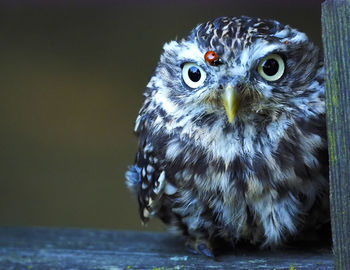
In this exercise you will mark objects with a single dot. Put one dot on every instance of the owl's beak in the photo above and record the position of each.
(230, 101)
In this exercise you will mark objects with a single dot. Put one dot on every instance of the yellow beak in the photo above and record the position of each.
(230, 102)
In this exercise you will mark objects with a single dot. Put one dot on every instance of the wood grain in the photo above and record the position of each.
(336, 42)
(54, 248)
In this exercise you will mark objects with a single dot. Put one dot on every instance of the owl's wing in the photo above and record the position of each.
(146, 178)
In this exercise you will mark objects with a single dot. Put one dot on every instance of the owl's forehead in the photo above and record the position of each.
(238, 33)
(240, 39)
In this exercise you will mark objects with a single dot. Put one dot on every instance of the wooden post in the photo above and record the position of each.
(336, 41)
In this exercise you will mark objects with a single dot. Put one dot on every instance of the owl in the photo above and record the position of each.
(232, 136)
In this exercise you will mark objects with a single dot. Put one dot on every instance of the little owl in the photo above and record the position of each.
(232, 136)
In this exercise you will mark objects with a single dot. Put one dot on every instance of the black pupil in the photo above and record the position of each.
(194, 74)
(270, 67)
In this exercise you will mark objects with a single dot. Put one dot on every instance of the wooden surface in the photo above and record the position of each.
(336, 41)
(49, 248)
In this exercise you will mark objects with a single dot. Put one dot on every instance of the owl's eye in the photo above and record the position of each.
(271, 67)
(193, 75)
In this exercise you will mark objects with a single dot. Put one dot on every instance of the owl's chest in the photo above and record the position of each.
(243, 158)
(214, 150)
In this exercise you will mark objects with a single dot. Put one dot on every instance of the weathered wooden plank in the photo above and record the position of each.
(45, 248)
(336, 41)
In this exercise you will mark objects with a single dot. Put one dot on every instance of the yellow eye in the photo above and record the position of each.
(271, 67)
(193, 75)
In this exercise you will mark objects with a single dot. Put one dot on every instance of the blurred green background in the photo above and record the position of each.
(71, 83)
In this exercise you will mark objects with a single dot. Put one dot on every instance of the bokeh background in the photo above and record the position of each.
(72, 75)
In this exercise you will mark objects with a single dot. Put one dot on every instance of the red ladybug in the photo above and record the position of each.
(212, 58)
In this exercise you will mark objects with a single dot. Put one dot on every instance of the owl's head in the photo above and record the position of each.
(237, 69)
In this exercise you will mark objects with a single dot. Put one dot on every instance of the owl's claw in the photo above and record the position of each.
(203, 248)
(200, 246)
(191, 249)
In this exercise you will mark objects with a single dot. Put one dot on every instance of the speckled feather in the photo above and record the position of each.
(262, 178)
